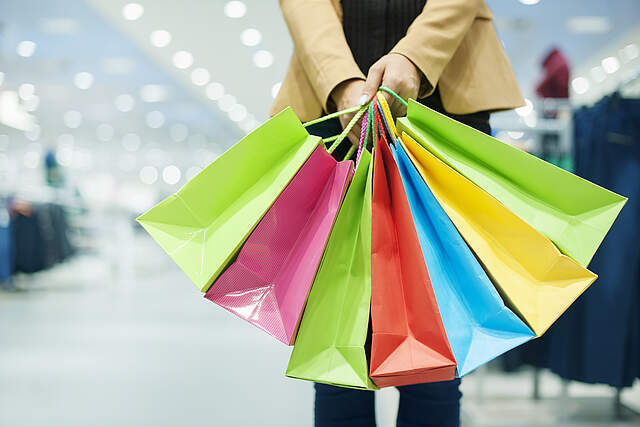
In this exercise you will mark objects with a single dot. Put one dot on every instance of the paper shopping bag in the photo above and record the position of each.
(409, 344)
(203, 225)
(330, 346)
(268, 283)
(574, 213)
(478, 324)
(533, 277)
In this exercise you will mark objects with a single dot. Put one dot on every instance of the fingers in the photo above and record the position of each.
(374, 79)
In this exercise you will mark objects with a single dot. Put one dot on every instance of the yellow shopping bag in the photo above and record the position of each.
(536, 280)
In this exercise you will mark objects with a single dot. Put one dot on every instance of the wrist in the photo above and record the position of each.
(345, 92)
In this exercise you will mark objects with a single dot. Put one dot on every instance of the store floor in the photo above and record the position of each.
(124, 339)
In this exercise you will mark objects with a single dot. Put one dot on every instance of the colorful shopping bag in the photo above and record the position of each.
(574, 213)
(330, 346)
(409, 343)
(269, 282)
(534, 278)
(478, 324)
(203, 225)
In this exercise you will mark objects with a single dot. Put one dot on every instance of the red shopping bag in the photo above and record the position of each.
(409, 343)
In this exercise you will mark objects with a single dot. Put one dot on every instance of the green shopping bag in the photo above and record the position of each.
(574, 213)
(330, 346)
(204, 224)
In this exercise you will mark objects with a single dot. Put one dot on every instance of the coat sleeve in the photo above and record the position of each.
(435, 34)
(320, 45)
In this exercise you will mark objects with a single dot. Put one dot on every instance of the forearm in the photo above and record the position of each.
(434, 36)
(320, 45)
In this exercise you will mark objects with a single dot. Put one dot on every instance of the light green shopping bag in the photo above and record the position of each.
(330, 346)
(204, 224)
(574, 213)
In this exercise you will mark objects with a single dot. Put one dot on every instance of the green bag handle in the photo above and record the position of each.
(359, 110)
(402, 101)
(367, 127)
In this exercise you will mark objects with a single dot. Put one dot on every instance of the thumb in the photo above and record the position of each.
(374, 79)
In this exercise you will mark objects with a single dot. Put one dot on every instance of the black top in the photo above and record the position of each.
(373, 27)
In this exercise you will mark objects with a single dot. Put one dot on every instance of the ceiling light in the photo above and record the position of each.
(227, 102)
(526, 109)
(83, 80)
(125, 102)
(179, 132)
(215, 91)
(235, 9)
(182, 59)
(160, 38)
(529, 2)
(33, 133)
(154, 93)
(628, 53)
(597, 74)
(64, 155)
(171, 174)
(263, 59)
(531, 121)
(154, 119)
(275, 89)
(192, 171)
(250, 37)
(588, 24)
(31, 159)
(238, 113)
(580, 85)
(31, 104)
(72, 119)
(26, 91)
(611, 64)
(104, 132)
(132, 11)
(26, 48)
(515, 134)
(200, 76)
(148, 175)
(131, 142)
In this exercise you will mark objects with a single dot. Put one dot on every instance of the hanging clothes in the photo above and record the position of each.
(39, 236)
(5, 244)
(597, 340)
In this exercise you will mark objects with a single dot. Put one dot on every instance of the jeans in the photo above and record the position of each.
(421, 405)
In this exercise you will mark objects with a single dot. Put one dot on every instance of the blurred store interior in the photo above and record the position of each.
(108, 106)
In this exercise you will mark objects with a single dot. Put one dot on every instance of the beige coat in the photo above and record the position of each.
(452, 42)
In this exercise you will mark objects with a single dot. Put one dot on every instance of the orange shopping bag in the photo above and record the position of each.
(409, 343)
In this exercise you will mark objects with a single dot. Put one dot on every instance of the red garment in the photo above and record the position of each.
(555, 83)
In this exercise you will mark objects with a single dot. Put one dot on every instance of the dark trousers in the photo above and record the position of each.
(421, 405)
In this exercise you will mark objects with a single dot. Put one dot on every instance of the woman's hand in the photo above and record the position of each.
(399, 74)
(347, 95)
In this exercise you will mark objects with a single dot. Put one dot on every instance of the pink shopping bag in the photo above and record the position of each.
(269, 282)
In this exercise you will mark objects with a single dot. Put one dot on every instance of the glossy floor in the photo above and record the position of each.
(123, 339)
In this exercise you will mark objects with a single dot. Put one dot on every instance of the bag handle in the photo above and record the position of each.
(395, 95)
(387, 117)
(359, 110)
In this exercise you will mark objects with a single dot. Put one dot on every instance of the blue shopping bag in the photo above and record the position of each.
(478, 324)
